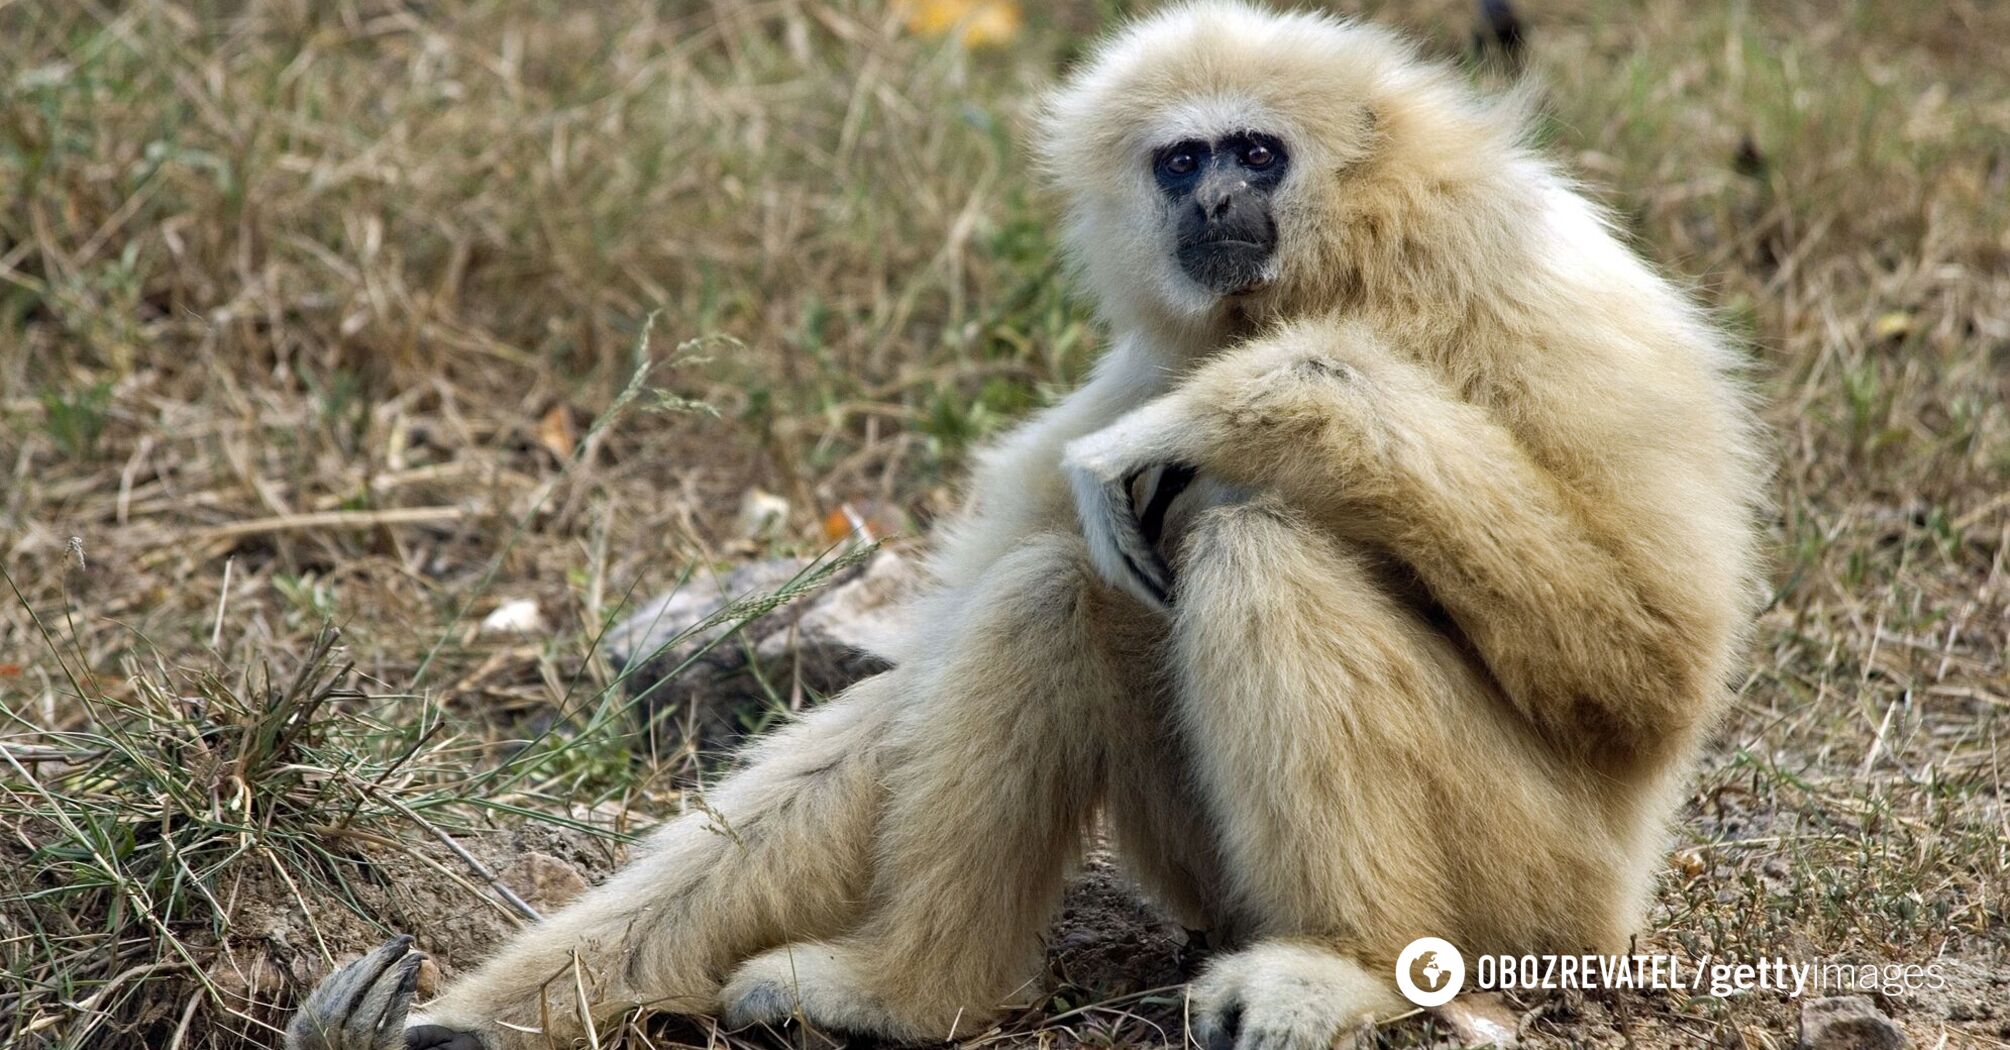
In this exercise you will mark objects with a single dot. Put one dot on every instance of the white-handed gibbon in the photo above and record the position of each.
(1379, 584)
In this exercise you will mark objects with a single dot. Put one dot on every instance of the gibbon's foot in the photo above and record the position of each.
(361, 1006)
(1283, 996)
(820, 983)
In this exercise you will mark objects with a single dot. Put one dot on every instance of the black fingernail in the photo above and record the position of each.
(1172, 481)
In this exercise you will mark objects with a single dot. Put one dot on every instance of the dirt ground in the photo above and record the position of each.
(1115, 969)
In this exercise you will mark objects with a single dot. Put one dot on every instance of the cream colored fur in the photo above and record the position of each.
(1461, 591)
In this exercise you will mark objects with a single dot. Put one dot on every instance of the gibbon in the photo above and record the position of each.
(1379, 584)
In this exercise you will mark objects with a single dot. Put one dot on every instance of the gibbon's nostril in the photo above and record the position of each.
(1219, 207)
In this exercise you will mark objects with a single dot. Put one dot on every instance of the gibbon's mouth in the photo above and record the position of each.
(1230, 266)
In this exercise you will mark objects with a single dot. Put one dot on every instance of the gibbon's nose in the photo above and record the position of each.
(1219, 194)
(1216, 198)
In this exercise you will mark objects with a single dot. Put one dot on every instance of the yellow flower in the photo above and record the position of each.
(975, 23)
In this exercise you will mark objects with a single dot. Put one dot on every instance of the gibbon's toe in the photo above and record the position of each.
(751, 1001)
(440, 1037)
(1260, 1019)
(775, 986)
(363, 1005)
(1282, 996)
(1218, 1030)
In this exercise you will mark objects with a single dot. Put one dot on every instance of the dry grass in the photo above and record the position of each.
(316, 312)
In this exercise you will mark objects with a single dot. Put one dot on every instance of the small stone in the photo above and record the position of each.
(839, 635)
(680, 654)
(1480, 1019)
(1777, 876)
(1847, 1022)
(543, 881)
(519, 616)
(258, 980)
(763, 515)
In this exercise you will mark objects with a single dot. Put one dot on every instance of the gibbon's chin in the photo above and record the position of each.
(1227, 267)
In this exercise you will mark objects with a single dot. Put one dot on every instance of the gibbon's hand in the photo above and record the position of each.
(1124, 483)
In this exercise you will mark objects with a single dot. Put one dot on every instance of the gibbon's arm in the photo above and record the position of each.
(1597, 647)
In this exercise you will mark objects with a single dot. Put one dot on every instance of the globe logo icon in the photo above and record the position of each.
(1430, 971)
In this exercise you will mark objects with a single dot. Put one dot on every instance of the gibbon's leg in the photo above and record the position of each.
(998, 761)
(666, 930)
(780, 851)
(1273, 633)
(1366, 787)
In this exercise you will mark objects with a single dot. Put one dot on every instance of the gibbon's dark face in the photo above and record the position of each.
(1220, 192)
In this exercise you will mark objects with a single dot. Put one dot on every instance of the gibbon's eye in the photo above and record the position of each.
(1258, 156)
(1177, 166)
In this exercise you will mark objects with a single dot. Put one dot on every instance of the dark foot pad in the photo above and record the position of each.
(436, 1037)
(763, 1002)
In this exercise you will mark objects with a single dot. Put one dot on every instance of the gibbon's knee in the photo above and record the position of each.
(1010, 706)
(1302, 695)
(1036, 610)
(1260, 551)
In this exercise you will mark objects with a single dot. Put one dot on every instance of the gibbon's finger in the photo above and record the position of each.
(1143, 528)
(1117, 545)
(378, 1019)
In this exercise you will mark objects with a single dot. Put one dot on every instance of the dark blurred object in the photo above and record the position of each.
(1748, 161)
(1500, 32)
